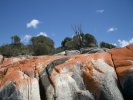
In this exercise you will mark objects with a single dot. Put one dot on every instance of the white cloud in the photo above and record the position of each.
(42, 33)
(100, 11)
(115, 44)
(112, 29)
(26, 38)
(131, 41)
(33, 23)
(125, 42)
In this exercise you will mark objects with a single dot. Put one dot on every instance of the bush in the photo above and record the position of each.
(14, 50)
(39, 45)
(79, 41)
(42, 45)
(106, 45)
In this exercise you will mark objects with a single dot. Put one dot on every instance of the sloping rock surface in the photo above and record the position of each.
(90, 50)
(68, 52)
(100, 76)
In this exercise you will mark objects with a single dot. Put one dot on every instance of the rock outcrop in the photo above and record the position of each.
(90, 50)
(99, 76)
(68, 52)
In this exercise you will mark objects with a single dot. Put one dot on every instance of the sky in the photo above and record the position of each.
(108, 20)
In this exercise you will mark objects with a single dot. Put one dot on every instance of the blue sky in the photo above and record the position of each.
(108, 20)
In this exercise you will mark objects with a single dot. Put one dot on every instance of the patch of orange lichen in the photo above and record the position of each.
(123, 61)
(11, 71)
(121, 56)
(83, 59)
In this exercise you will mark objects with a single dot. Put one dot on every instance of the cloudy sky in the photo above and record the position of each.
(108, 20)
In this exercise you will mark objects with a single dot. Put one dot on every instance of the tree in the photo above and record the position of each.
(63, 43)
(16, 39)
(79, 41)
(83, 40)
(106, 45)
(39, 45)
(42, 45)
(89, 40)
(70, 45)
(78, 35)
(14, 50)
(6, 50)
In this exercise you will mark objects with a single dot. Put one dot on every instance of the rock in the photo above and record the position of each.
(72, 52)
(123, 61)
(68, 52)
(98, 76)
(105, 49)
(92, 50)
(9, 92)
(19, 87)
(60, 54)
(1, 59)
(88, 50)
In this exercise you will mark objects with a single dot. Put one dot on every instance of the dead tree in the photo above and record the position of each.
(78, 31)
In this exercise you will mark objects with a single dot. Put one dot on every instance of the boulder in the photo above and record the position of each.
(123, 62)
(90, 50)
(98, 76)
(60, 54)
(93, 75)
(18, 86)
(72, 52)
(68, 52)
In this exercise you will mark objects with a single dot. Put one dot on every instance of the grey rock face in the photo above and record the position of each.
(26, 90)
(128, 88)
(92, 50)
(72, 52)
(9, 92)
(87, 50)
(29, 91)
(1, 59)
(68, 52)
(71, 82)
(60, 54)
(107, 79)
(46, 88)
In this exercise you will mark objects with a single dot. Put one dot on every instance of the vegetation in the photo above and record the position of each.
(79, 41)
(39, 46)
(42, 45)
(15, 39)
(15, 50)
(106, 45)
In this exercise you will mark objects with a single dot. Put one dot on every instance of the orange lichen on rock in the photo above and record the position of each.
(122, 56)
(123, 61)
(84, 59)
(89, 76)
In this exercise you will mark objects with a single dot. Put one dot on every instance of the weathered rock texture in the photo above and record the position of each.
(90, 50)
(98, 76)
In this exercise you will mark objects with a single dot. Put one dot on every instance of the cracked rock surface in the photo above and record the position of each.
(99, 76)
